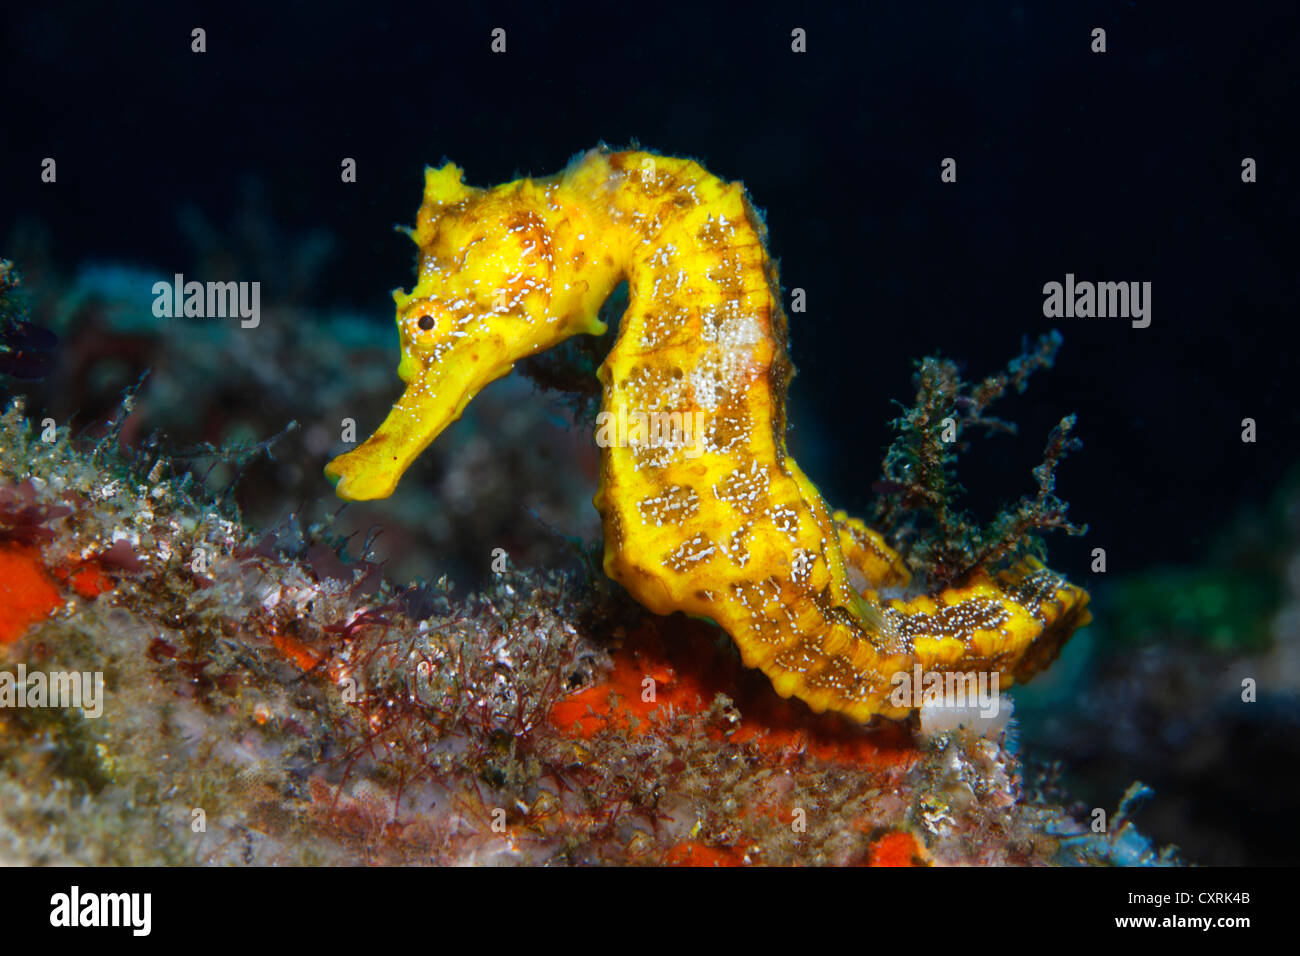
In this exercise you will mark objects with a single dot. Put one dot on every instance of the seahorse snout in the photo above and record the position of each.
(372, 469)
(356, 477)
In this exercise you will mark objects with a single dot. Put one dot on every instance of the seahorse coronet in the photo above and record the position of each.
(703, 509)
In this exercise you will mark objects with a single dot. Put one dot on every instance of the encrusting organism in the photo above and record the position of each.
(704, 511)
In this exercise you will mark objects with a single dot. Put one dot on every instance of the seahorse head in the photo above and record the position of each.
(503, 273)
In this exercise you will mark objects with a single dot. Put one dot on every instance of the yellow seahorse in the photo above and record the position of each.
(708, 515)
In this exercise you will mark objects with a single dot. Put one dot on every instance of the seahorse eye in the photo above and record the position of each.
(426, 322)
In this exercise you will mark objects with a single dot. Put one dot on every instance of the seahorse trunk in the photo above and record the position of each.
(716, 519)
